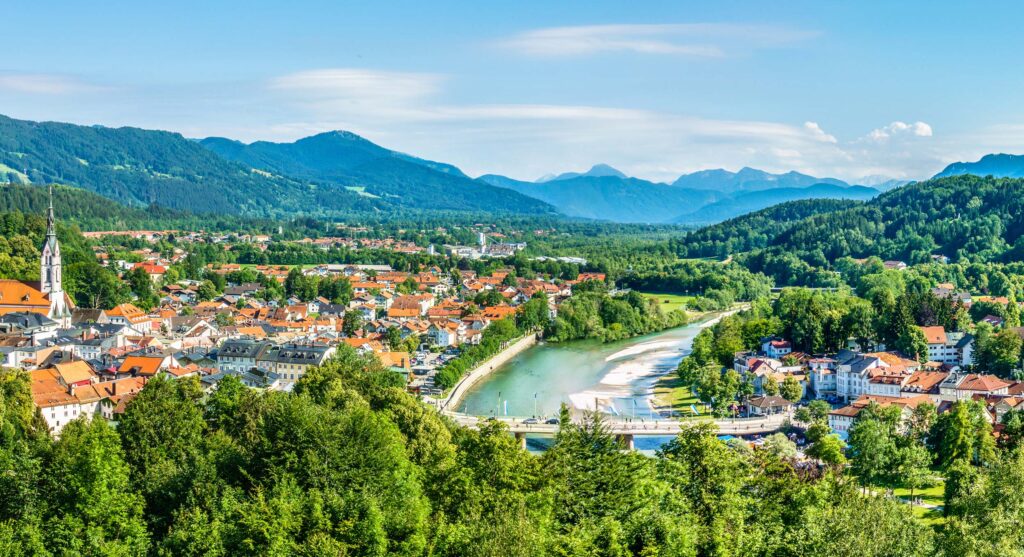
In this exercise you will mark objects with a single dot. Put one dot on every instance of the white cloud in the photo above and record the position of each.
(688, 39)
(897, 128)
(43, 84)
(818, 133)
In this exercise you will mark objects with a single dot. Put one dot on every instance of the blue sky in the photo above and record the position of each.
(846, 89)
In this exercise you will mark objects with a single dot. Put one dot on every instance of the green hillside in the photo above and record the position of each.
(345, 160)
(143, 167)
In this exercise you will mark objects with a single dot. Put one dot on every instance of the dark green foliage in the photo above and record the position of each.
(753, 230)
(596, 314)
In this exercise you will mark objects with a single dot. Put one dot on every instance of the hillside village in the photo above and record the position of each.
(87, 361)
(91, 362)
(857, 377)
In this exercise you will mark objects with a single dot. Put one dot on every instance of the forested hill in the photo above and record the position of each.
(747, 202)
(90, 211)
(144, 167)
(349, 162)
(961, 217)
(753, 230)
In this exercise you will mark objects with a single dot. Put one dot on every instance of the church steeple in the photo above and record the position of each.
(50, 272)
(49, 217)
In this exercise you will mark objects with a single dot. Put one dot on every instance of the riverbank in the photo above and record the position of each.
(451, 402)
(616, 378)
(670, 395)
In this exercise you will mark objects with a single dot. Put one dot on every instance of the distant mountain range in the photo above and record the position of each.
(1000, 166)
(610, 197)
(749, 179)
(341, 173)
(702, 197)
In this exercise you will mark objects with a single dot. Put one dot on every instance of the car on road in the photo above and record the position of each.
(531, 421)
(551, 421)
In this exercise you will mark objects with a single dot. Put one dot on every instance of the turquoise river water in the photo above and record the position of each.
(616, 378)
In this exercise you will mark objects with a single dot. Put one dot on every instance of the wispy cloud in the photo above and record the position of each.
(358, 84)
(44, 84)
(707, 40)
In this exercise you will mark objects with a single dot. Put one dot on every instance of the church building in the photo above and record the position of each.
(46, 297)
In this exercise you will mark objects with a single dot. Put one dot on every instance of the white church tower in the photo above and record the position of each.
(50, 272)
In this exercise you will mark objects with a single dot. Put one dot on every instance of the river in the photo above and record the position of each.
(616, 378)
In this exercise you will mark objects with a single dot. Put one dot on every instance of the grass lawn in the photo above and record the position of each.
(933, 495)
(669, 302)
(670, 392)
(931, 517)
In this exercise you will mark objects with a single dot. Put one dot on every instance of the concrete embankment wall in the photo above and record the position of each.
(485, 369)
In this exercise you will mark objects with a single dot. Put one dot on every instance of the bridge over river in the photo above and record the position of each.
(626, 430)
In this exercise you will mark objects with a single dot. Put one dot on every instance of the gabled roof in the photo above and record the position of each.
(934, 335)
(16, 295)
(141, 365)
(982, 383)
(74, 372)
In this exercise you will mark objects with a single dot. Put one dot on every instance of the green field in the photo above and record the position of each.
(669, 302)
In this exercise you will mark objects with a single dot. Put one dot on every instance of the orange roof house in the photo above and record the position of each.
(934, 335)
(144, 365)
(128, 312)
(399, 313)
(16, 295)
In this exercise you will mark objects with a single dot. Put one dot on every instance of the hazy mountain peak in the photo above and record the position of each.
(749, 179)
(597, 171)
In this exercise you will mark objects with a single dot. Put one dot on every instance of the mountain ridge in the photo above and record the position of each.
(348, 161)
(999, 165)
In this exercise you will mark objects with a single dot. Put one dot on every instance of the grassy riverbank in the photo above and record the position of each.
(671, 394)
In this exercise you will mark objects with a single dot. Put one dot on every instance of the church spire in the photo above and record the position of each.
(50, 271)
(49, 216)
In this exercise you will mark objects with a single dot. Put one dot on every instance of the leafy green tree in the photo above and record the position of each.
(829, 449)
(874, 450)
(394, 338)
(911, 466)
(963, 433)
(206, 291)
(93, 509)
(351, 323)
(912, 343)
(999, 353)
(162, 434)
(791, 389)
(710, 476)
